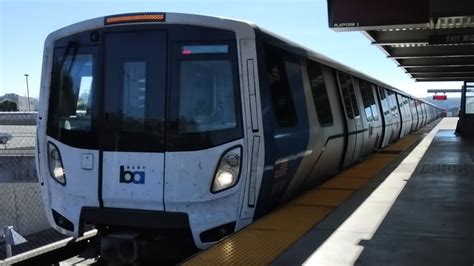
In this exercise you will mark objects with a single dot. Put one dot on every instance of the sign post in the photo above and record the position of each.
(12, 238)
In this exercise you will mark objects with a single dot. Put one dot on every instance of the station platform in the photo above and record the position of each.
(410, 204)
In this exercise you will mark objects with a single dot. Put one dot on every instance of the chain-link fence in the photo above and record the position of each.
(21, 204)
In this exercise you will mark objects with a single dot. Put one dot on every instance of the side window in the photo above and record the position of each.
(367, 98)
(405, 100)
(280, 92)
(413, 109)
(348, 95)
(400, 103)
(392, 102)
(418, 109)
(320, 94)
(383, 100)
(353, 98)
(373, 106)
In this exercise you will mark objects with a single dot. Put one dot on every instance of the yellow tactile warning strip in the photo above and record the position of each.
(263, 241)
(323, 197)
(291, 218)
(403, 143)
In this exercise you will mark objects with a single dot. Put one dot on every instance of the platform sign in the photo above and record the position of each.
(440, 97)
(361, 14)
(464, 38)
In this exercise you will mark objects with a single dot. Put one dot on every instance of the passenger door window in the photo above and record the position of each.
(348, 95)
(134, 95)
(367, 98)
(134, 91)
(279, 87)
(320, 94)
(384, 101)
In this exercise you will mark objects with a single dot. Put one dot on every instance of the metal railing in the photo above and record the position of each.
(21, 205)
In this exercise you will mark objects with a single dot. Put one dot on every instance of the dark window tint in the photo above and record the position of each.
(384, 101)
(134, 91)
(368, 99)
(75, 85)
(206, 96)
(320, 94)
(204, 108)
(391, 100)
(134, 95)
(413, 109)
(373, 106)
(407, 106)
(348, 95)
(71, 105)
(279, 88)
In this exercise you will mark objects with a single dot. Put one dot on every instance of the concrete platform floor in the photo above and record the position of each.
(422, 213)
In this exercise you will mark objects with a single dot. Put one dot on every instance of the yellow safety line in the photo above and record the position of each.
(264, 240)
(403, 143)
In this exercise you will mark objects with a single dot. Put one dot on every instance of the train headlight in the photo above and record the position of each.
(56, 168)
(225, 178)
(227, 173)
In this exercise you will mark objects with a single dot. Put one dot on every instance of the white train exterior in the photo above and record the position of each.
(162, 121)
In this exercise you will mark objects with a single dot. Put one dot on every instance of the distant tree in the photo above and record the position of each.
(8, 106)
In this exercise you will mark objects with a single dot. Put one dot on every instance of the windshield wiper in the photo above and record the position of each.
(71, 49)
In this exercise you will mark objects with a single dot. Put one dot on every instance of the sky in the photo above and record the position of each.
(24, 25)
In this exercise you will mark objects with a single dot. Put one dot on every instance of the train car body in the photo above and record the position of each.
(162, 121)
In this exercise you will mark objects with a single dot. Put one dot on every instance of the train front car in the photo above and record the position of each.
(141, 126)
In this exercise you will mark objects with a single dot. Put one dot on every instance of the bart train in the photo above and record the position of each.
(152, 122)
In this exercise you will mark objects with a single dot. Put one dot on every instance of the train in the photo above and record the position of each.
(162, 122)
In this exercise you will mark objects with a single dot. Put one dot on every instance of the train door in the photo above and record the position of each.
(425, 113)
(420, 114)
(327, 121)
(373, 132)
(365, 116)
(409, 118)
(132, 132)
(395, 113)
(355, 130)
(403, 121)
(387, 118)
(288, 129)
(414, 113)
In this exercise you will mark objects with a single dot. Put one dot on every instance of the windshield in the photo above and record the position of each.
(134, 95)
(71, 101)
(206, 96)
(205, 104)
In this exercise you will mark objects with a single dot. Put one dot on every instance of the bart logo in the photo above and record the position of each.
(135, 177)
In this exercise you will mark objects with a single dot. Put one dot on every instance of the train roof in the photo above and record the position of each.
(191, 19)
(337, 65)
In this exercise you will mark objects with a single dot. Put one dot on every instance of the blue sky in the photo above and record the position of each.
(24, 25)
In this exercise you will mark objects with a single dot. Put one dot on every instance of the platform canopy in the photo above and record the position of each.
(433, 40)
